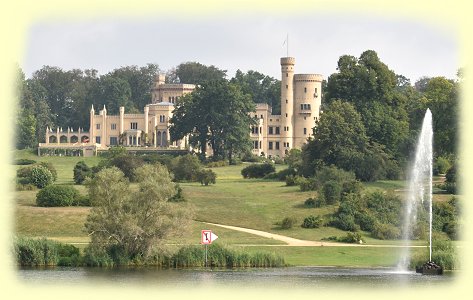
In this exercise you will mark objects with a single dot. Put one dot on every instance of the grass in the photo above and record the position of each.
(251, 203)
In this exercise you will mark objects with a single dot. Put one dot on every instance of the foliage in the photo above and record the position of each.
(288, 222)
(282, 175)
(450, 184)
(331, 192)
(312, 222)
(206, 177)
(443, 254)
(291, 180)
(81, 172)
(179, 196)
(351, 237)
(24, 161)
(57, 195)
(127, 224)
(128, 164)
(186, 168)
(195, 73)
(257, 170)
(51, 169)
(216, 164)
(385, 231)
(40, 176)
(215, 113)
(262, 88)
(43, 252)
(314, 202)
(441, 165)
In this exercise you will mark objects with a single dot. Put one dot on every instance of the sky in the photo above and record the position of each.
(252, 42)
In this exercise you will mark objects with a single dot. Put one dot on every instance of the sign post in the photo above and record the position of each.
(206, 238)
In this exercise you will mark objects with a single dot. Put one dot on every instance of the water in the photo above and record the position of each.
(420, 187)
(291, 277)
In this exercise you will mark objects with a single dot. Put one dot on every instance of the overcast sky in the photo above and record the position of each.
(253, 42)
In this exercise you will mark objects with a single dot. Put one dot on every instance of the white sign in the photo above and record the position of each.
(207, 237)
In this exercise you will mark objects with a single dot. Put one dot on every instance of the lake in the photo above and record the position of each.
(290, 277)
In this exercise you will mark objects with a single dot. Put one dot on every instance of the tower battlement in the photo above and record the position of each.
(308, 77)
(288, 61)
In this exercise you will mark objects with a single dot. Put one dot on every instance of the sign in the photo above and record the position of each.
(207, 237)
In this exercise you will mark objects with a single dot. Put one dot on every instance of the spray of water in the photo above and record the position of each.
(420, 189)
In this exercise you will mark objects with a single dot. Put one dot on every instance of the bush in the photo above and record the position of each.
(57, 195)
(271, 176)
(127, 164)
(185, 168)
(332, 173)
(179, 196)
(282, 175)
(51, 169)
(345, 222)
(25, 187)
(441, 165)
(291, 180)
(306, 184)
(331, 191)
(257, 170)
(351, 237)
(205, 177)
(215, 164)
(81, 172)
(288, 222)
(312, 222)
(385, 232)
(36, 252)
(314, 202)
(250, 157)
(365, 219)
(81, 200)
(24, 162)
(24, 173)
(40, 176)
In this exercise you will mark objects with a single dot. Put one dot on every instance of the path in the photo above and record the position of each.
(301, 243)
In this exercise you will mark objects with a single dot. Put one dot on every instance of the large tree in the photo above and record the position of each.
(262, 88)
(373, 89)
(134, 223)
(216, 113)
(340, 139)
(194, 73)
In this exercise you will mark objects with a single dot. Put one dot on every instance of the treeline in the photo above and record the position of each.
(62, 98)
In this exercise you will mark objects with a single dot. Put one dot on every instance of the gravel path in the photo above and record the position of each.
(300, 243)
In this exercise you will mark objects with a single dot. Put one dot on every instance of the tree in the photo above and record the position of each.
(206, 177)
(81, 172)
(262, 88)
(216, 113)
(115, 92)
(195, 73)
(40, 176)
(130, 225)
(374, 90)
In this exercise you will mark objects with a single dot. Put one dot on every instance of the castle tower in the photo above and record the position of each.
(307, 101)
(122, 114)
(104, 126)
(287, 101)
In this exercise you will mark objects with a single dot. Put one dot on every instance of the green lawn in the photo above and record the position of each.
(251, 203)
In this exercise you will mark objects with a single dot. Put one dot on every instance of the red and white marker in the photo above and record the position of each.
(207, 237)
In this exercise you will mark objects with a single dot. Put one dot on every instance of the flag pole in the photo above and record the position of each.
(287, 38)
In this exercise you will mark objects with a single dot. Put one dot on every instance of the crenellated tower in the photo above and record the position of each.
(287, 103)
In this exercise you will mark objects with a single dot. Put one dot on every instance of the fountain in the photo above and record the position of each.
(420, 190)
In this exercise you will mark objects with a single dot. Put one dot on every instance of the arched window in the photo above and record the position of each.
(74, 139)
(52, 139)
(63, 139)
(159, 138)
(164, 139)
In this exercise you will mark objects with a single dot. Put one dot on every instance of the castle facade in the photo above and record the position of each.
(274, 135)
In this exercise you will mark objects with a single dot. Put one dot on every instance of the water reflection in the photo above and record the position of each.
(301, 277)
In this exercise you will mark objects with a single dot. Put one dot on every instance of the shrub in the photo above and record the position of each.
(40, 176)
(365, 219)
(25, 187)
(351, 237)
(24, 173)
(271, 176)
(291, 180)
(312, 222)
(345, 222)
(314, 202)
(288, 222)
(215, 164)
(179, 196)
(249, 157)
(81, 200)
(205, 177)
(127, 164)
(185, 168)
(282, 175)
(441, 165)
(81, 172)
(57, 195)
(351, 187)
(36, 252)
(306, 184)
(385, 231)
(257, 170)
(331, 191)
(51, 169)
(24, 162)
(332, 173)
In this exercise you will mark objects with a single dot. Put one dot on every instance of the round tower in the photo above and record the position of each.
(287, 103)
(307, 101)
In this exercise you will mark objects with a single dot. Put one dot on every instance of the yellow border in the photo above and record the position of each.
(17, 16)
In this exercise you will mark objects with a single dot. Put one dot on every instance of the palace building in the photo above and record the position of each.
(274, 135)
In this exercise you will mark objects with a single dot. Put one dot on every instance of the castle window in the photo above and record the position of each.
(133, 125)
(97, 126)
(305, 130)
(288, 145)
(286, 115)
(302, 106)
(261, 116)
(113, 140)
(277, 145)
(113, 126)
(255, 145)
(287, 86)
(308, 106)
(169, 98)
(260, 144)
(270, 130)
(305, 118)
(277, 130)
(305, 90)
(270, 120)
(287, 75)
(97, 140)
(270, 146)
(286, 101)
(260, 131)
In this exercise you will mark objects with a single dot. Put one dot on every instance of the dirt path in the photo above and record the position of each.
(300, 243)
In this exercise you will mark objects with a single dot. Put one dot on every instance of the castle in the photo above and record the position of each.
(274, 135)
